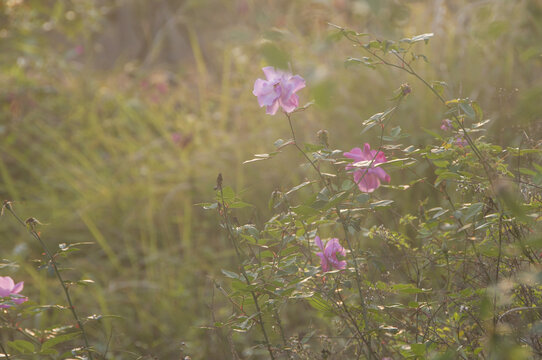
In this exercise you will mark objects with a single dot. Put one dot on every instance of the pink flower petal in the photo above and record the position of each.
(328, 257)
(8, 288)
(272, 74)
(6, 282)
(366, 181)
(354, 154)
(297, 82)
(19, 300)
(318, 242)
(323, 261)
(18, 288)
(382, 175)
(266, 92)
(272, 109)
(289, 104)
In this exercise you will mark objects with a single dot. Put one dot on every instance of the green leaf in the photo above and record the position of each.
(480, 124)
(446, 175)
(440, 213)
(439, 86)
(304, 210)
(227, 194)
(418, 38)
(418, 349)
(468, 110)
(48, 352)
(395, 131)
(347, 185)
(323, 195)
(364, 61)
(85, 282)
(441, 163)
(376, 119)
(239, 205)
(300, 186)
(260, 157)
(478, 111)
(301, 295)
(22, 346)
(526, 171)
(410, 149)
(231, 274)
(240, 286)
(279, 144)
(209, 206)
(396, 163)
(319, 303)
(362, 198)
(308, 336)
(381, 203)
(472, 211)
(245, 325)
(408, 289)
(59, 339)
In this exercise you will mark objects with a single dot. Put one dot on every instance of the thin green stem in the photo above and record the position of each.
(4, 351)
(243, 272)
(302, 152)
(497, 271)
(8, 207)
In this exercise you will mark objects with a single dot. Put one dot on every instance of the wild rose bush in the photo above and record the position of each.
(459, 278)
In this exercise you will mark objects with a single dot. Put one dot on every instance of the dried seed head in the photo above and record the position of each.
(219, 182)
(32, 222)
(5, 205)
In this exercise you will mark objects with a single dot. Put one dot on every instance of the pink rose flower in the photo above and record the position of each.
(278, 90)
(368, 179)
(328, 255)
(9, 288)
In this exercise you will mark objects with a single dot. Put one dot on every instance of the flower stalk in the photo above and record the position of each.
(233, 239)
(30, 225)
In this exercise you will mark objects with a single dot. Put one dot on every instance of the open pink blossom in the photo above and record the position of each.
(446, 125)
(9, 288)
(328, 255)
(278, 90)
(368, 179)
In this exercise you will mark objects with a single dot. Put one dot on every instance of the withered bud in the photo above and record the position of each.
(218, 182)
(31, 222)
(323, 137)
(6, 205)
(405, 89)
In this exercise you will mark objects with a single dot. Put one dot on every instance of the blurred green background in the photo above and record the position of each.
(117, 116)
